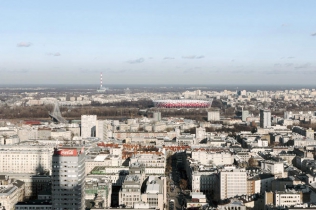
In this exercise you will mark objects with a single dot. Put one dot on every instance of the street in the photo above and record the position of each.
(173, 190)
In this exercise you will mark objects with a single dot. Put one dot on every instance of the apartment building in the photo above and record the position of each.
(206, 157)
(232, 183)
(88, 126)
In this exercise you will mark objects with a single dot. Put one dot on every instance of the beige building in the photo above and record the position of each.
(218, 158)
(283, 198)
(273, 167)
(155, 194)
(149, 160)
(9, 196)
(61, 134)
(44, 133)
(130, 192)
(17, 160)
(103, 160)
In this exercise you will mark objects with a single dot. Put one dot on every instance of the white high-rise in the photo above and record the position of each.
(244, 115)
(103, 129)
(157, 116)
(232, 183)
(265, 118)
(88, 126)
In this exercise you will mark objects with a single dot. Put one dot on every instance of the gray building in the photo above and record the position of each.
(265, 118)
(68, 179)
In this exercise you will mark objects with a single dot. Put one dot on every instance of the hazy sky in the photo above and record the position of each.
(158, 42)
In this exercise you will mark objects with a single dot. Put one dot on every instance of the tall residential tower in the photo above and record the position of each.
(88, 126)
(265, 118)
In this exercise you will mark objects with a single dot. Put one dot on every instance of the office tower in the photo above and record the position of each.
(244, 115)
(68, 179)
(88, 126)
(213, 115)
(157, 116)
(265, 118)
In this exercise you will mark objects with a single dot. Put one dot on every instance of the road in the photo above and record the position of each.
(174, 192)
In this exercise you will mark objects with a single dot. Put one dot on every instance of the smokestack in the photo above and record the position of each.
(101, 81)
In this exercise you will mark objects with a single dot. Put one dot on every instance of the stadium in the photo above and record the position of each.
(182, 103)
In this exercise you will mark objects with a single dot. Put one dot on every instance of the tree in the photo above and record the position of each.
(254, 130)
(169, 164)
(252, 162)
(183, 184)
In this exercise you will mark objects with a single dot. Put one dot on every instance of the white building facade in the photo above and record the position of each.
(232, 183)
(88, 126)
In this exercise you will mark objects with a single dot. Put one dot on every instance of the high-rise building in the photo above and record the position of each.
(88, 126)
(233, 183)
(200, 134)
(68, 179)
(213, 115)
(288, 115)
(265, 118)
(244, 115)
(100, 129)
(157, 116)
(104, 129)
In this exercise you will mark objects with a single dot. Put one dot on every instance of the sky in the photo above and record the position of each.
(158, 42)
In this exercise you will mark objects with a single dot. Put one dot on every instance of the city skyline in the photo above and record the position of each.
(157, 42)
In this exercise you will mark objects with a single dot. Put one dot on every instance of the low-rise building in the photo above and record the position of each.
(9, 196)
(155, 194)
(130, 192)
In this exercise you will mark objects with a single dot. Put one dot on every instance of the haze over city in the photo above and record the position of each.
(157, 42)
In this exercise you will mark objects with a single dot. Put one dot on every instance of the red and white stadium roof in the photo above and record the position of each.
(182, 103)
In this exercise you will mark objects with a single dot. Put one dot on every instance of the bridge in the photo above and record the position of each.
(56, 114)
